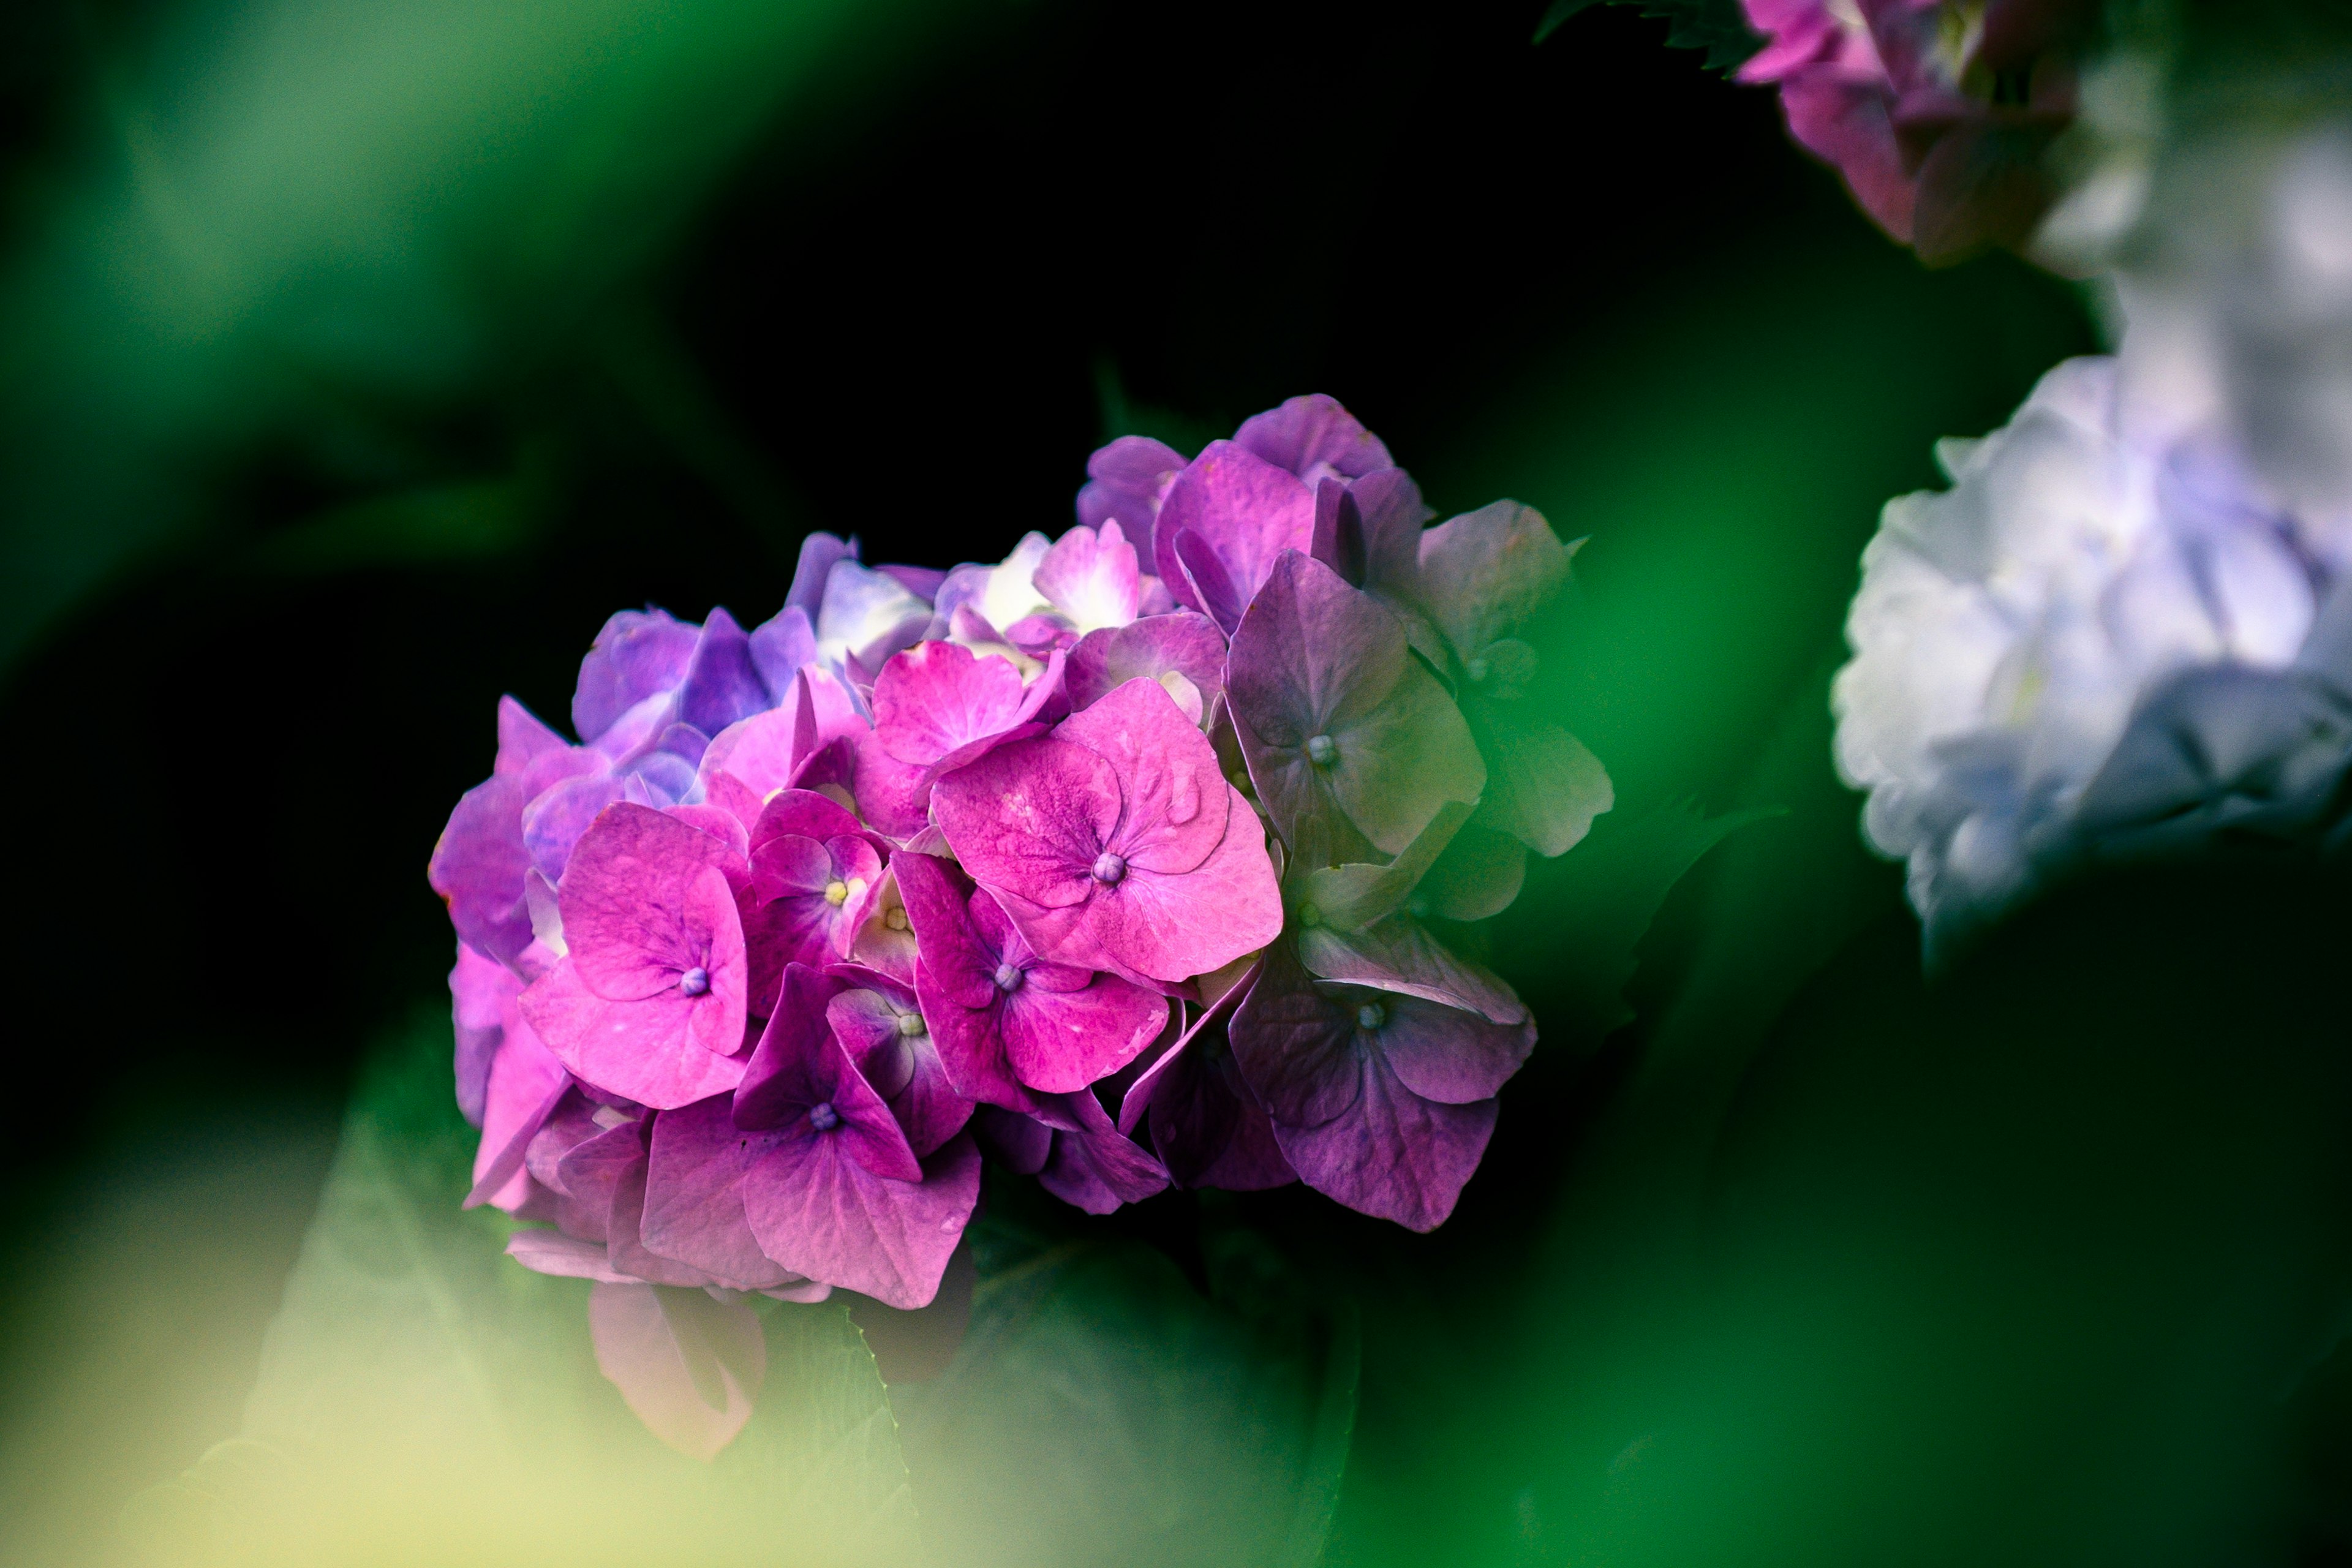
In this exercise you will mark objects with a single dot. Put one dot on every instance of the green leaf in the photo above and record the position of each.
(1606, 894)
(1101, 1410)
(423, 1397)
(1718, 26)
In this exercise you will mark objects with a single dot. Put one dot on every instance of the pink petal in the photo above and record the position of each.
(526, 1082)
(693, 1197)
(1172, 796)
(665, 1050)
(1395, 1155)
(822, 1213)
(1030, 818)
(1172, 928)
(625, 902)
(1092, 577)
(1062, 1041)
(687, 1364)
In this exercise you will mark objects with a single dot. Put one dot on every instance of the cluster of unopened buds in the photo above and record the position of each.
(1119, 860)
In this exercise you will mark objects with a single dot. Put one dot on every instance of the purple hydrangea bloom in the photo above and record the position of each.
(1008, 1025)
(1115, 843)
(1382, 1102)
(1353, 746)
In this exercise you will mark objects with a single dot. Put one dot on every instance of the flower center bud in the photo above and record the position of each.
(1008, 977)
(895, 917)
(823, 1117)
(1322, 751)
(1476, 670)
(1372, 1016)
(910, 1024)
(836, 893)
(1110, 869)
(694, 982)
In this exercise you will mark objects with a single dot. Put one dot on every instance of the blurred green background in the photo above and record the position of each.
(362, 355)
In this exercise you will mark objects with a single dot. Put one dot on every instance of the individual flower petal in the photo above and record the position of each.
(1398, 954)
(526, 1081)
(1010, 592)
(624, 898)
(638, 655)
(1484, 574)
(1184, 652)
(1313, 437)
(687, 1364)
(937, 707)
(866, 616)
(812, 572)
(723, 682)
(479, 988)
(1544, 787)
(1243, 512)
(1349, 741)
(1125, 480)
(478, 867)
(1093, 1165)
(1092, 577)
(693, 1197)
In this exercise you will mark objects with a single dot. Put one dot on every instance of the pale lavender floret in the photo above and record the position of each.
(1382, 1102)
(651, 1001)
(1206, 1123)
(1008, 1025)
(1353, 746)
(1116, 843)
(1184, 652)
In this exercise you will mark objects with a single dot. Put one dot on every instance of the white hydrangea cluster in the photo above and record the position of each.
(2009, 630)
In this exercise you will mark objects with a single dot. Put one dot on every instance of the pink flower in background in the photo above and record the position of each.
(1937, 112)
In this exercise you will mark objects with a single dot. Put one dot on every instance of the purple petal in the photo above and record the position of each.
(477, 868)
(1172, 928)
(782, 1079)
(783, 646)
(956, 984)
(723, 683)
(1449, 1055)
(664, 1050)
(1204, 581)
(1128, 478)
(526, 1082)
(873, 1025)
(1184, 645)
(1342, 729)
(1296, 1045)
(1395, 1155)
(628, 904)
(523, 738)
(567, 1257)
(1031, 818)
(1313, 437)
(1247, 512)
(687, 1364)
(822, 1213)
(819, 553)
(1061, 1041)
(1486, 572)
(1019, 1142)
(638, 655)
(479, 990)
(939, 706)
(1398, 954)
(1477, 876)
(1094, 1166)
(693, 1197)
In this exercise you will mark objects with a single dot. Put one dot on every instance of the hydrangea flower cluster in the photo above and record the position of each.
(1937, 112)
(1114, 859)
(2100, 644)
